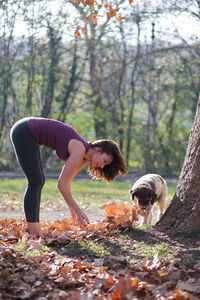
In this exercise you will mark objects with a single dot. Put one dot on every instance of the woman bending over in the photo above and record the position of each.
(104, 157)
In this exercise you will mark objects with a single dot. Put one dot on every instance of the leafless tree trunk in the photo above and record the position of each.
(95, 84)
(31, 62)
(54, 40)
(7, 56)
(68, 88)
(133, 87)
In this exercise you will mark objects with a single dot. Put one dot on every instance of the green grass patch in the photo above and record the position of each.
(85, 249)
(98, 250)
(89, 194)
(149, 251)
(26, 251)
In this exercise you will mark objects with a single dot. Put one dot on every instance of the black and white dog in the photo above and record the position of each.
(147, 190)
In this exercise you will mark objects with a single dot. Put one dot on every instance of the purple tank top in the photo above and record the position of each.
(55, 135)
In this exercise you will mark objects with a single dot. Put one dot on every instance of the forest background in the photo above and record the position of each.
(134, 80)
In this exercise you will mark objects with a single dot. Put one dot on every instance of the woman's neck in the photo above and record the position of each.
(88, 154)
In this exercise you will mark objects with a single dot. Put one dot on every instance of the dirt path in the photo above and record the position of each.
(52, 216)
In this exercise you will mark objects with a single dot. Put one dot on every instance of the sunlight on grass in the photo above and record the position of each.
(22, 248)
(149, 251)
(89, 194)
(95, 249)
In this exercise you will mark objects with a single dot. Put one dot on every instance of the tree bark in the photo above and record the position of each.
(183, 213)
(95, 83)
(68, 88)
(54, 41)
(133, 90)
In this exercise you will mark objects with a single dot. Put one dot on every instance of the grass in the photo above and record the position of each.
(21, 247)
(88, 193)
(87, 248)
(149, 251)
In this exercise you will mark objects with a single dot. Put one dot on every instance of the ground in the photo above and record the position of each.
(108, 260)
(114, 258)
(139, 242)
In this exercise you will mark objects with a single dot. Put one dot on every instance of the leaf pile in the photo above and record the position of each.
(30, 269)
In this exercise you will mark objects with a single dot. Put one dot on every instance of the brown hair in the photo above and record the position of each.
(116, 167)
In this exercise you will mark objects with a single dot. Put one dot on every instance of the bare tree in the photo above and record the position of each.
(7, 56)
(31, 56)
(54, 41)
(134, 77)
(93, 38)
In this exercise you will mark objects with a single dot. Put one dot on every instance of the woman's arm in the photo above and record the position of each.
(74, 163)
(74, 218)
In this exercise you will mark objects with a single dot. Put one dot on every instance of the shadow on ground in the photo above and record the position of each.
(137, 243)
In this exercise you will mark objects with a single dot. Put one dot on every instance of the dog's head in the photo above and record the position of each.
(143, 196)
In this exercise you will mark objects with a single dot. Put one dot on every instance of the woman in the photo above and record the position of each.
(104, 157)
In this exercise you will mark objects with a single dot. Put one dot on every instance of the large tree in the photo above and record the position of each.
(183, 214)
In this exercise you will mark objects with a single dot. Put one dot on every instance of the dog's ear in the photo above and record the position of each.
(153, 197)
(133, 192)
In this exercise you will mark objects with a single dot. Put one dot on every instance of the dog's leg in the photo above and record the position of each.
(145, 218)
(149, 214)
(150, 217)
(161, 204)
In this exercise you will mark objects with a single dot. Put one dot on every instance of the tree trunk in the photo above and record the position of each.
(68, 88)
(95, 83)
(183, 214)
(133, 90)
(54, 41)
(30, 75)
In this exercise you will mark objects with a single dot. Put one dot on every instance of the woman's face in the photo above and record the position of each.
(100, 159)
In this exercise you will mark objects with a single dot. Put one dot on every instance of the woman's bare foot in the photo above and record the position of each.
(33, 228)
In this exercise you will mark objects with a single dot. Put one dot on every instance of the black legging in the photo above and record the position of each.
(28, 155)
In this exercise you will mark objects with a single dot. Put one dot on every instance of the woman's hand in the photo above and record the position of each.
(74, 218)
(79, 218)
(82, 219)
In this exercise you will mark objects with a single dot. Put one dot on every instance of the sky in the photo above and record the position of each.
(187, 26)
